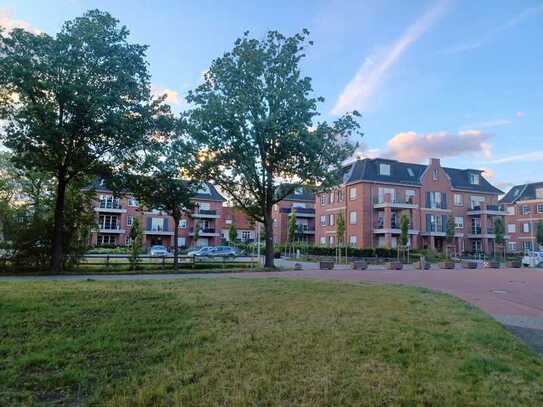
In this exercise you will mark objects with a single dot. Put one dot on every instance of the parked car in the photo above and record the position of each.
(533, 259)
(159, 250)
(223, 251)
(202, 251)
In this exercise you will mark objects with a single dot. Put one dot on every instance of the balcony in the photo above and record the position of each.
(395, 228)
(110, 228)
(205, 214)
(476, 232)
(495, 210)
(300, 212)
(305, 229)
(109, 206)
(206, 232)
(379, 203)
(158, 231)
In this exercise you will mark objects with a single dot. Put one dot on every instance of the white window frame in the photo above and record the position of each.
(133, 202)
(510, 210)
(539, 208)
(352, 217)
(323, 199)
(323, 240)
(129, 220)
(323, 220)
(525, 228)
(183, 223)
(458, 200)
(459, 222)
(410, 193)
(352, 240)
(352, 193)
(384, 169)
(332, 220)
(511, 228)
(435, 174)
(474, 179)
(525, 210)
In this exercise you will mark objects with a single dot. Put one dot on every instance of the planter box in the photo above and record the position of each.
(393, 265)
(448, 265)
(360, 265)
(470, 265)
(418, 266)
(492, 264)
(515, 264)
(298, 266)
(326, 265)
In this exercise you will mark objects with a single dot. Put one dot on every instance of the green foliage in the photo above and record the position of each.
(292, 227)
(340, 228)
(404, 230)
(83, 103)
(254, 122)
(451, 227)
(499, 231)
(136, 246)
(232, 234)
(539, 233)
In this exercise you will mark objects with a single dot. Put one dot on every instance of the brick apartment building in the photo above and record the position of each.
(524, 207)
(115, 217)
(246, 232)
(375, 193)
(302, 201)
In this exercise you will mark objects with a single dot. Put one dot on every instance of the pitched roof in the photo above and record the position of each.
(410, 174)
(522, 192)
(300, 194)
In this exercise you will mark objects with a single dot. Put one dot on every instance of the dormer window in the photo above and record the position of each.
(435, 174)
(474, 179)
(204, 189)
(299, 191)
(384, 169)
(539, 193)
(410, 172)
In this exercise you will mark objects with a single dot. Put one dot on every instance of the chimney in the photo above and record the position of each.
(434, 162)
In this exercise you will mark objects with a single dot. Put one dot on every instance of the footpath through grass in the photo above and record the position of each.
(254, 342)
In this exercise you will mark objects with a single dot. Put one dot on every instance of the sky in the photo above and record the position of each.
(459, 80)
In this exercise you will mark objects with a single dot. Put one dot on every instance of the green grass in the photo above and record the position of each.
(254, 342)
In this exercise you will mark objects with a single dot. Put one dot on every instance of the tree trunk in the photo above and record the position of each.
(175, 247)
(56, 260)
(268, 232)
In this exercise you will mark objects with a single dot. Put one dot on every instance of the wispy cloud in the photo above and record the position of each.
(520, 114)
(488, 124)
(413, 147)
(8, 23)
(490, 35)
(357, 93)
(531, 156)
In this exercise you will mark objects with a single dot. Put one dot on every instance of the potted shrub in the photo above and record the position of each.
(492, 264)
(514, 264)
(360, 265)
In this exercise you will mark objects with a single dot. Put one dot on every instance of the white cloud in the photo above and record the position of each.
(172, 97)
(8, 23)
(412, 147)
(531, 156)
(489, 36)
(520, 114)
(358, 92)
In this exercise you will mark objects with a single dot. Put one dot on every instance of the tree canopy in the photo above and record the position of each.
(254, 123)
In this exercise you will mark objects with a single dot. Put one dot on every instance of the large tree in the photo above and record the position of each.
(77, 102)
(254, 120)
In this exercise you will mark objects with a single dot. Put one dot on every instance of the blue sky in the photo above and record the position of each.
(460, 80)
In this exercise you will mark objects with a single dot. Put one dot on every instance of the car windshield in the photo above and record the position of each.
(158, 248)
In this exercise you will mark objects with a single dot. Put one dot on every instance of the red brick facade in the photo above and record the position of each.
(372, 211)
(303, 202)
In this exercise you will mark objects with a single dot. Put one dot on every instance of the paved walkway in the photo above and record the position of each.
(513, 297)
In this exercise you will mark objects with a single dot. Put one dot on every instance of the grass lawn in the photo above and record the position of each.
(254, 342)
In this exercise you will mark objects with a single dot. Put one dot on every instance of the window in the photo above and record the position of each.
(299, 191)
(475, 201)
(352, 193)
(323, 240)
(246, 235)
(435, 174)
(511, 228)
(510, 210)
(539, 193)
(526, 227)
(109, 202)
(436, 200)
(110, 222)
(181, 242)
(105, 240)
(525, 210)
(459, 222)
(435, 223)
(204, 206)
(332, 197)
(528, 246)
(323, 199)
(381, 192)
(511, 247)
(183, 223)
(340, 196)
(474, 179)
(410, 172)
(352, 240)
(539, 208)
(458, 200)
(128, 241)
(298, 205)
(133, 202)
(352, 217)
(129, 220)
(227, 221)
(331, 240)
(384, 169)
(409, 196)
(323, 220)
(332, 219)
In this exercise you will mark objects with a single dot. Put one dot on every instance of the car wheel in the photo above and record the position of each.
(540, 265)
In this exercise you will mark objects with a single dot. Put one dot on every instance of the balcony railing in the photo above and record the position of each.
(304, 228)
(436, 228)
(298, 210)
(157, 229)
(109, 226)
(476, 230)
(380, 224)
(395, 200)
(109, 205)
(206, 230)
(205, 212)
